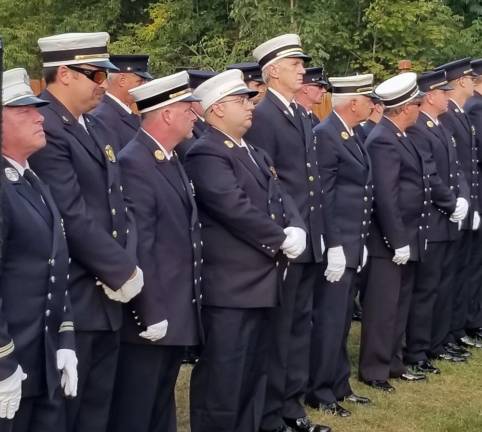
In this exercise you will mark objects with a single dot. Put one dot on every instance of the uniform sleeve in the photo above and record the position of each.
(441, 195)
(386, 171)
(149, 304)
(223, 199)
(328, 166)
(8, 362)
(293, 216)
(475, 116)
(89, 243)
(66, 329)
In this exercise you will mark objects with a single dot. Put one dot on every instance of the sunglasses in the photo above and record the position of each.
(96, 75)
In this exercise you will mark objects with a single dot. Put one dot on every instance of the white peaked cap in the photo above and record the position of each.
(284, 46)
(163, 91)
(16, 90)
(230, 82)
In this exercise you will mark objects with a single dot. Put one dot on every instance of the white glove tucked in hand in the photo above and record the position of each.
(476, 221)
(294, 243)
(126, 292)
(402, 255)
(336, 264)
(11, 393)
(67, 364)
(460, 212)
(365, 256)
(155, 332)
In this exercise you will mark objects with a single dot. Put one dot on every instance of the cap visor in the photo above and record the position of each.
(28, 100)
(245, 91)
(304, 56)
(190, 98)
(146, 75)
(105, 64)
(373, 96)
(445, 87)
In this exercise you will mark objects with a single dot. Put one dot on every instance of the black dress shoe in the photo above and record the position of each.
(424, 367)
(449, 356)
(470, 342)
(412, 376)
(334, 409)
(380, 385)
(457, 349)
(361, 400)
(303, 424)
(458, 353)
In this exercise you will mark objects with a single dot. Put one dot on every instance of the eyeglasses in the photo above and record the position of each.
(96, 75)
(240, 100)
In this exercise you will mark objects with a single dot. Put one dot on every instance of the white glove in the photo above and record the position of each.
(155, 332)
(11, 393)
(126, 292)
(365, 256)
(402, 255)
(460, 212)
(67, 364)
(476, 221)
(294, 243)
(336, 264)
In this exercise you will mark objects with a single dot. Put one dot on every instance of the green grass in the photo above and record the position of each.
(449, 402)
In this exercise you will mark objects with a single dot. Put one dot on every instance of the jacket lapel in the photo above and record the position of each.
(404, 141)
(165, 167)
(72, 126)
(24, 189)
(348, 141)
(132, 120)
(275, 101)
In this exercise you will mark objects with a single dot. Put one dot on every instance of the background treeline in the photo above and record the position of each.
(345, 35)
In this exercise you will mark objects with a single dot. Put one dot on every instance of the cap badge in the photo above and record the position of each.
(12, 174)
(345, 135)
(109, 152)
(430, 124)
(159, 155)
(229, 144)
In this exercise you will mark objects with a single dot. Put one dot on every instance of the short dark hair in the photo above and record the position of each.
(50, 74)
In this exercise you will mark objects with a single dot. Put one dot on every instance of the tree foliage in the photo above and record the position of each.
(345, 36)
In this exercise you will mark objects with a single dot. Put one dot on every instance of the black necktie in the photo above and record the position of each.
(33, 181)
(297, 116)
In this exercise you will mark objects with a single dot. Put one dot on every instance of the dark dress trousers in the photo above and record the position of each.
(121, 124)
(431, 300)
(473, 108)
(84, 176)
(459, 125)
(169, 252)
(243, 212)
(402, 199)
(36, 318)
(288, 140)
(348, 197)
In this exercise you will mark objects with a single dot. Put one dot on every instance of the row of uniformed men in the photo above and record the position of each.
(270, 195)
